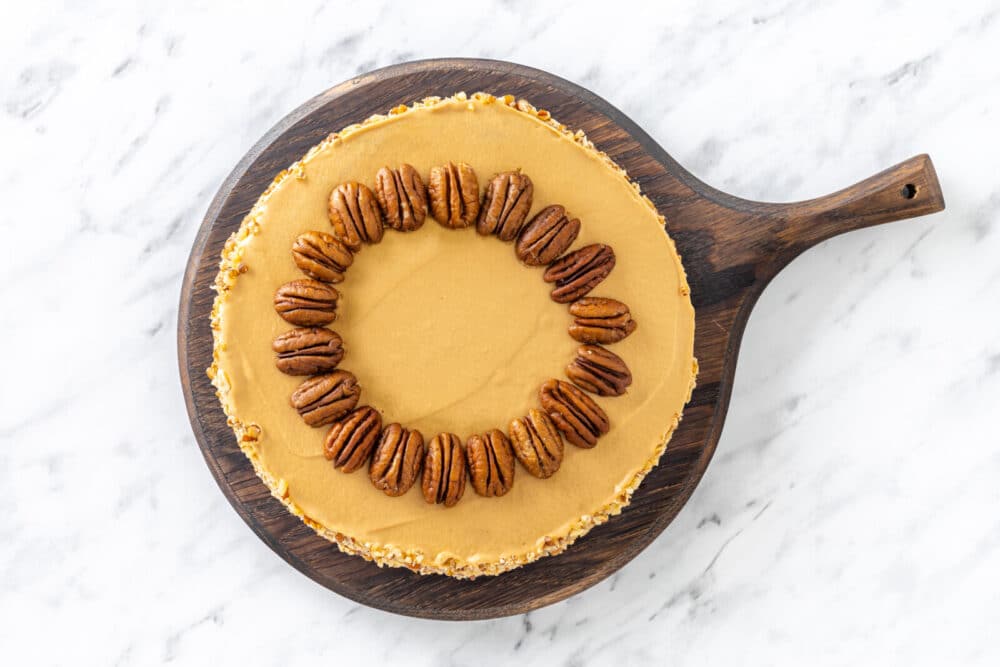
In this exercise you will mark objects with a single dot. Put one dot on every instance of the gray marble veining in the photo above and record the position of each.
(850, 515)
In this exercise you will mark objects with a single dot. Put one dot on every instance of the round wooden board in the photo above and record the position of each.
(730, 248)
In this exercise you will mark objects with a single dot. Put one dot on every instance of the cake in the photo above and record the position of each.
(448, 333)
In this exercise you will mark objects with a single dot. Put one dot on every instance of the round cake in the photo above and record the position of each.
(447, 332)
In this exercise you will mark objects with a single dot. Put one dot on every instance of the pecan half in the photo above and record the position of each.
(505, 205)
(580, 419)
(324, 399)
(308, 351)
(402, 197)
(579, 272)
(354, 215)
(397, 460)
(444, 470)
(600, 320)
(549, 234)
(491, 463)
(599, 371)
(536, 443)
(306, 302)
(351, 440)
(321, 256)
(454, 195)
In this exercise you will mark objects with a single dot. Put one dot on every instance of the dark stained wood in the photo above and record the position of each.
(731, 248)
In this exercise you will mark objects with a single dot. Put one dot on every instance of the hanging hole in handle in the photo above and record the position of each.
(909, 191)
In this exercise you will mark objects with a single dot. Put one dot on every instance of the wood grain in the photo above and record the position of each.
(731, 248)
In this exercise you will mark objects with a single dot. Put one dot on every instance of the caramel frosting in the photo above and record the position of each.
(447, 331)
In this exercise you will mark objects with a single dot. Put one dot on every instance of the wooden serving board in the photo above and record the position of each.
(730, 247)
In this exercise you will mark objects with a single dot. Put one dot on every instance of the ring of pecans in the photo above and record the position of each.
(396, 457)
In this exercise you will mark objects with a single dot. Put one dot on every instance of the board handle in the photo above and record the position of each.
(906, 190)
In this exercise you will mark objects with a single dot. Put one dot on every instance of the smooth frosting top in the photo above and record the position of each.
(447, 331)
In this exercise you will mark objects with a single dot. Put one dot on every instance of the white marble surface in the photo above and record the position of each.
(851, 513)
